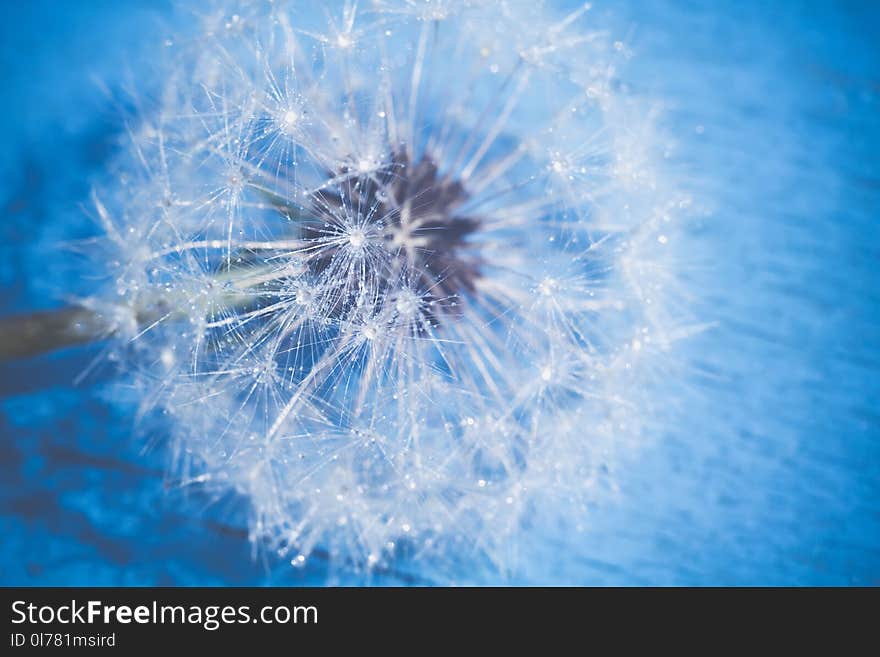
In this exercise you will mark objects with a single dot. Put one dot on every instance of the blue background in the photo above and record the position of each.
(773, 476)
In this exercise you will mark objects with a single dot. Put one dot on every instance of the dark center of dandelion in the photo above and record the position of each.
(405, 218)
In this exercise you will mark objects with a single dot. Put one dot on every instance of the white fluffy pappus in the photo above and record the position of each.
(401, 274)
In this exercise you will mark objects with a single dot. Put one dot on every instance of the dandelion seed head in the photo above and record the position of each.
(411, 244)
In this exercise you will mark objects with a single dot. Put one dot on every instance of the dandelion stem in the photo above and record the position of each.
(31, 334)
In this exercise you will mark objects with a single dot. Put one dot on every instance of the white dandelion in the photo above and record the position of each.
(399, 273)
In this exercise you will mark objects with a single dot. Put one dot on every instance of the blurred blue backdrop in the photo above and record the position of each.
(772, 478)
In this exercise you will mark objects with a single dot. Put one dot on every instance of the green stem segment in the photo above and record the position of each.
(32, 334)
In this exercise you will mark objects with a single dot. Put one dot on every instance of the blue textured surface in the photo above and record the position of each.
(774, 476)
